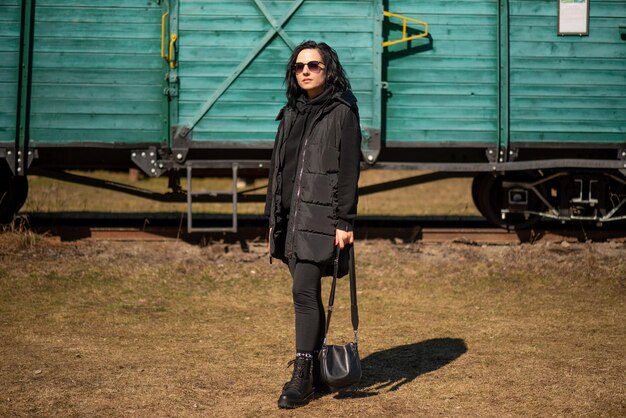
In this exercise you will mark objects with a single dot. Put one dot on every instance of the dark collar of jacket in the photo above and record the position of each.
(345, 97)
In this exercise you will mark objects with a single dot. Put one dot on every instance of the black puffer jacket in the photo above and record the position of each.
(309, 234)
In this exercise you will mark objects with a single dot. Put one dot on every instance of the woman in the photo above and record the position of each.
(312, 196)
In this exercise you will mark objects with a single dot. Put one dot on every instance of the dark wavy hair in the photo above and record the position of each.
(336, 77)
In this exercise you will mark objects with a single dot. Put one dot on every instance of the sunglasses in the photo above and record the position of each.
(314, 66)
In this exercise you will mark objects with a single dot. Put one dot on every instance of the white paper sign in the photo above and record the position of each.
(573, 17)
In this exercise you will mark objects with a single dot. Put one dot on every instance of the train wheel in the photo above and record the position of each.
(489, 198)
(13, 193)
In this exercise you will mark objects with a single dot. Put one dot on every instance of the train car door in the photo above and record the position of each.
(442, 90)
(230, 66)
(97, 74)
(10, 12)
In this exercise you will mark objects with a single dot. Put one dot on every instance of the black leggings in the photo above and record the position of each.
(307, 301)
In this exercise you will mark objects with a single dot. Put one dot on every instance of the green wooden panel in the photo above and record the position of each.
(105, 30)
(443, 7)
(462, 123)
(97, 72)
(347, 40)
(573, 76)
(442, 75)
(433, 114)
(99, 107)
(9, 48)
(603, 104)
(8, 29)
(613, 9)
(331, 24)
(568, 137)
(123, 13)
(575, 92)
(410, 91)
(359, 9)
(552, 63)
(567, 88)
(546, 126)
(98, 76)
(195, 69)
(575, 47)
(569, 114)
(550, 21)
(215, 37)
(94, 45)
(103, 60)
(436, 137)
(443, 89)
(276, 53)
(63, 136)
(42, 92)
(93, 121)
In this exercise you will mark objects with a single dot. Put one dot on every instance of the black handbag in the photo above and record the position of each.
(340, 365)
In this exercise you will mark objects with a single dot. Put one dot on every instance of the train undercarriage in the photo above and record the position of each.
(513, 200)
(518, 200)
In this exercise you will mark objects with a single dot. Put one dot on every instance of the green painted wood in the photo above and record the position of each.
(593, 137)
(442, 75)
(445, 88)
(105, 80)
(566, 115)
(402, 89)
(198, 70)
(84, 137)
(120, 46)
(96, 76)
(439, 137)
(93, 121)
(100, 107)
(591, 127)
(9, 45)
(105, 30)
(359, 9)
(595, 103)
(104, 60)
(573, 76)
(276, 53)
(195, 38)
(574, 92)
(567, 88)
(73, 4)
(569, 62)
(613, 9)
(215, 37)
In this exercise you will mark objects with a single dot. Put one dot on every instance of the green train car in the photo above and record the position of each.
(526, 96)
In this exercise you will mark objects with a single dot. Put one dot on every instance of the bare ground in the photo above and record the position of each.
(172, 329)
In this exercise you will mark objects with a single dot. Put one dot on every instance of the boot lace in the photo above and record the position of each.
(300, 372)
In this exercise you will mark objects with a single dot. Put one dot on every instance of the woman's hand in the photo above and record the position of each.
(343, 238)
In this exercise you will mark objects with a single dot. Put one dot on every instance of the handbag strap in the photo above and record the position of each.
(354, 309)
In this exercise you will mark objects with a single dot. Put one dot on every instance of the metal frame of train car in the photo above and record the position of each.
(454, 99)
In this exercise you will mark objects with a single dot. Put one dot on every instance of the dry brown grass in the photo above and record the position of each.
(446, 197)
(170, 329)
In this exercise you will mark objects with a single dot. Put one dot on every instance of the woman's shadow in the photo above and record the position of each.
(400, 365)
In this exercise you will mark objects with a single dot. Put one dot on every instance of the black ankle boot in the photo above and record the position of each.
(319, 386)
(299, 390)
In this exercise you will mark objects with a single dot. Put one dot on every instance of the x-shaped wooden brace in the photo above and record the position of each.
(277, 27)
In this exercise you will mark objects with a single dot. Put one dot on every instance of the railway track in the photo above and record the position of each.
(172, 226)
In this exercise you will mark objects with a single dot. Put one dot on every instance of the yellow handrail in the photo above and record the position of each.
(163, 35)
(404, 37)
(171, 58)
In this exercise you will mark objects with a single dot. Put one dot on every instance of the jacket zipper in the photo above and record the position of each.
(297, 198)
(295, 211)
